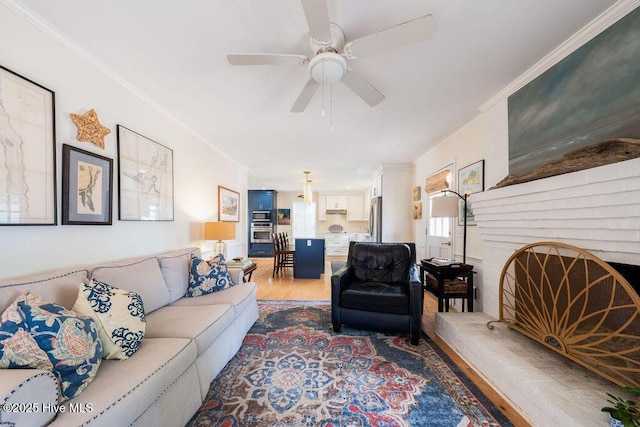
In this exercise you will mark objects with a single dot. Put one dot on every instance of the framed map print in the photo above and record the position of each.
(145, 184)
(27, 152)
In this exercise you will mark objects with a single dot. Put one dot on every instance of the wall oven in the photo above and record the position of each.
(261, 232)
(261, 217)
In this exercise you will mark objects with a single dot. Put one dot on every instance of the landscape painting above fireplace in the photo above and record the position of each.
(589, 97)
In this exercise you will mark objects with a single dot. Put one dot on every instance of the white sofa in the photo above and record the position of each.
(187, 343)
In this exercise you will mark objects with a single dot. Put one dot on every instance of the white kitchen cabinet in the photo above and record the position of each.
(355, 208)
(336, 244)
(337, 201)
(322, 207)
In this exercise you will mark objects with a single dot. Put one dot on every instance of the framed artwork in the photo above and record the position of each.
(284, 216)
(470, 180)
(416, 193)
(87, 187)
(228, 205)
(417, 210)
(27, 152)
(145, 184)
(574, 104)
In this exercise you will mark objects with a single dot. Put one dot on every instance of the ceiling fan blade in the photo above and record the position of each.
(266, 59)
(410, 32)
(317, 14)
(305, 96)
(362, 88)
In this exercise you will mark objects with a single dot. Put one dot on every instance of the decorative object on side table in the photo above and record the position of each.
(228, 205)
(28, 169)
(219, 231)
(470, 180)
(625, 412)
(87, 187)
(145, 189)
(89, 128)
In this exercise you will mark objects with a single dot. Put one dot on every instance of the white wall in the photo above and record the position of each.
(79, 86)
(596, 209)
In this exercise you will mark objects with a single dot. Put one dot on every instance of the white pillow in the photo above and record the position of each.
(119, 315)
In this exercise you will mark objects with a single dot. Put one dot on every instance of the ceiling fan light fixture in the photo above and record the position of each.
(327, 67)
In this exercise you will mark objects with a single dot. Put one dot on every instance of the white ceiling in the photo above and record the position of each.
(174, 53)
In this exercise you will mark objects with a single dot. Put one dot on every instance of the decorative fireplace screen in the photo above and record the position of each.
(575, 304)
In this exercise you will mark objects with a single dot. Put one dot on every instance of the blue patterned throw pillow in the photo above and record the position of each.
(119, 315)
(206, 277)
(42, 328)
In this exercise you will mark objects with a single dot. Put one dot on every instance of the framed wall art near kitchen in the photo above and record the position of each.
(87, 187)
(470, 180)
(228, 205)
(145, 184)
(27, 152)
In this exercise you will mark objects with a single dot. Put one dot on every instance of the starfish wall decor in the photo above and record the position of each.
(89, 128)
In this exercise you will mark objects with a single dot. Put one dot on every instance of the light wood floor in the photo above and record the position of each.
(285, 287)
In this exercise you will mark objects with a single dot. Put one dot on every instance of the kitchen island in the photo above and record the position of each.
(309, 258)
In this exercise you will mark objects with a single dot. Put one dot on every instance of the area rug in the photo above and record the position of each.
(292, 370)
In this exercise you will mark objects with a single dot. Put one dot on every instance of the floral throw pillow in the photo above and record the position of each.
(207, 277)
(119, 315)
(44, 329)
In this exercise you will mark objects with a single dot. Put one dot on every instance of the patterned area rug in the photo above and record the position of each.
(292, 370)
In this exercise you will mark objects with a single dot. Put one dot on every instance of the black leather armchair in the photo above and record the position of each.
(378, 288)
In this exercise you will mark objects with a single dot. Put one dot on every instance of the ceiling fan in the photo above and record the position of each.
(331, 52)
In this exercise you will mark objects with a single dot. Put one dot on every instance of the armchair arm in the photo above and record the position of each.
(28, 393)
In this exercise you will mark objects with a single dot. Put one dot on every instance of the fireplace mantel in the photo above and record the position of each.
(596, 209)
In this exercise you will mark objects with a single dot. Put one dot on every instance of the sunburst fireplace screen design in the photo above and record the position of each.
(575, 304)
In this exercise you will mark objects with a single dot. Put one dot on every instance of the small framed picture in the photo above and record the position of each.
(417, 210)
(87, 187)
(416, 193)
(470, 180)
(228, 205)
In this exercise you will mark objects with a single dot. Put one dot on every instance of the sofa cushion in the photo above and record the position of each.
(119, 315)
(143, 277)
(239, 297)
(207, 277)
(203, 324)
(384, 262)
(126, 388)
(175, 270)
(376, 296)
(60, 287)
(69, 340)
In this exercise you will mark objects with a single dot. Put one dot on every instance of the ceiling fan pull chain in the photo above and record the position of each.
(331, 108)
(322, 87)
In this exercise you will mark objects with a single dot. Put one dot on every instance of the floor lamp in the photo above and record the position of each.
(220, 231)
(447, 207)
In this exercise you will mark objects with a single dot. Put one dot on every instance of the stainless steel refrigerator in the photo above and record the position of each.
(375, 219)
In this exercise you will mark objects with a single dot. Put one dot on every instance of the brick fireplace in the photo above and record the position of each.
(597, 210)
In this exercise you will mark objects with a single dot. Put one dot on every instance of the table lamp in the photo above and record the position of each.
(447, 207)
(219, 231)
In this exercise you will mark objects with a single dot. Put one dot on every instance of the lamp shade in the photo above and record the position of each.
(219, 230)
(444, 207)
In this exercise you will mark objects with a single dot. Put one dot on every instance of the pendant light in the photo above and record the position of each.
(307, 194)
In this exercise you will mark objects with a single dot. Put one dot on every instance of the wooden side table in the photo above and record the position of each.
(247, 270)
(447, 280)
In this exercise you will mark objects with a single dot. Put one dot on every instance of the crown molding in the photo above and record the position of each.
(588, 32)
